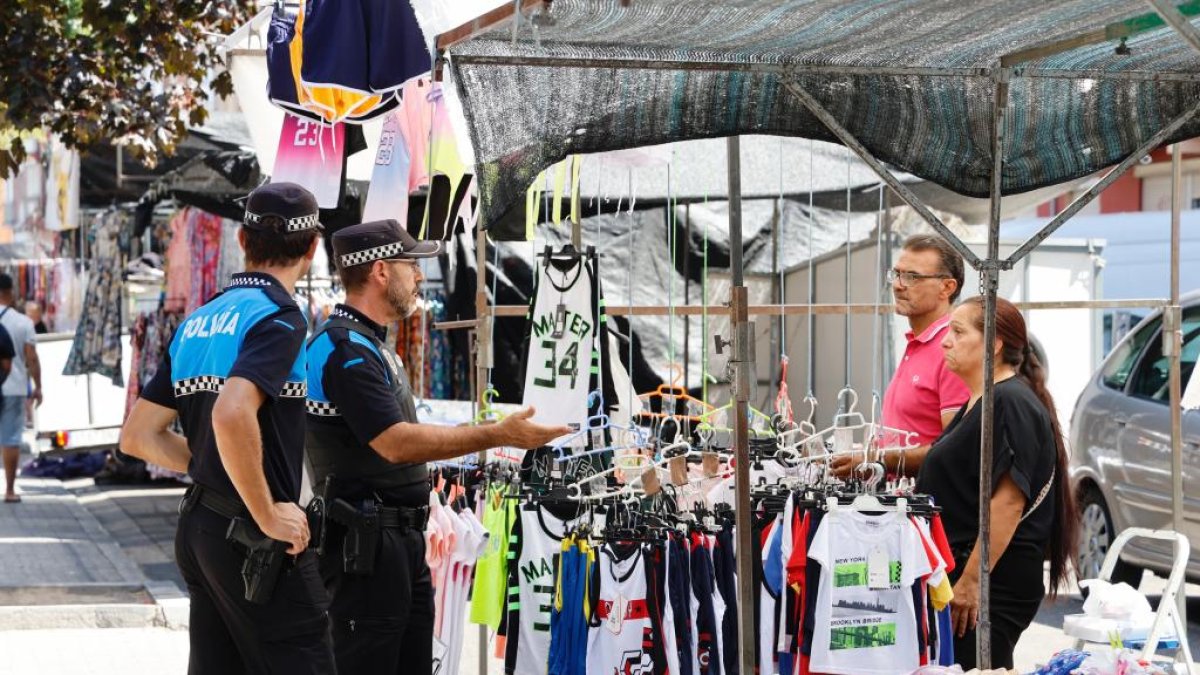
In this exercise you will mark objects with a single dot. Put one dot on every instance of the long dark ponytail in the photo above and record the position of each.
(1017, 351)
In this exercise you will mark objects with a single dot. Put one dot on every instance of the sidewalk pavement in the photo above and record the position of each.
(61, 568)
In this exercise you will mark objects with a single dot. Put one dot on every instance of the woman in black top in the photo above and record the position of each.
(1033, 514)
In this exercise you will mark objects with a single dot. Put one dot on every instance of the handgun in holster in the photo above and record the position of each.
(317, 512)
(264, 561)
(362, 534)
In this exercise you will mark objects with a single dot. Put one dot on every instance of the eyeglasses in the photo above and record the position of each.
(907, 279)
(416, 265)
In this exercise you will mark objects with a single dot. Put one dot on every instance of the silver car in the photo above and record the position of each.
(1121, 451)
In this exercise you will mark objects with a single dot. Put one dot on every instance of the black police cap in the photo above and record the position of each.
(379, 240)
(289, 202)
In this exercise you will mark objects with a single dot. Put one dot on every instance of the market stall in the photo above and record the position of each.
(539, 82)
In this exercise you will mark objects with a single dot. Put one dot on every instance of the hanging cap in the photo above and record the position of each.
(291, 203)
(379, 240)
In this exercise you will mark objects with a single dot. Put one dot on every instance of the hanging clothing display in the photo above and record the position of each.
(149, 339)
(536, 542)
(840, 586)
(337, 61)
(427, 354)
(201, 251)
(627, 636)
(459, 539)
(57, 284)
(97, 344)
(567, 343)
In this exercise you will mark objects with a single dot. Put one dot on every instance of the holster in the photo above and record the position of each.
(361, 543)
(264, 561)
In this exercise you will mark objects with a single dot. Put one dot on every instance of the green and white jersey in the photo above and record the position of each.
(562, 356)
(534, 547)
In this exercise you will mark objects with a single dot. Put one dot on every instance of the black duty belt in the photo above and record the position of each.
(213, 501)
(402, 517)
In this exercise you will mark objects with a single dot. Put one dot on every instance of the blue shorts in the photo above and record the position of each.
(12, 420)
(368, 46)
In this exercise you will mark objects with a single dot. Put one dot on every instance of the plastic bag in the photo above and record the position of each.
(1115, 601)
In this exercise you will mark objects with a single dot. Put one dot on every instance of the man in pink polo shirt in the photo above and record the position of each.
(924, 395)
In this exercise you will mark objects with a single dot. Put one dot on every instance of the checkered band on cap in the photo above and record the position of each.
(309, 222)
(249, 281)
(193, 385)
(322, 409)
(372, 254)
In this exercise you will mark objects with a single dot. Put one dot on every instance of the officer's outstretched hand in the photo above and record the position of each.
(519, 432)
(287, 522)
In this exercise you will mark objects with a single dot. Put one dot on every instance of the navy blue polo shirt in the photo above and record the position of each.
(253, 330)
(352, 376)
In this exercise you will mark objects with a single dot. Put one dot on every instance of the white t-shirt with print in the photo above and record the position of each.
(862, 630)
(20, 329)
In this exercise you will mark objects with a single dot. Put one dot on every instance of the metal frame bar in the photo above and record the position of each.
(1173, 315)
(813, 69)
(1173, 346)
(792, 309)
(1175, 19)
(989, 283)
(741, 393)
(496, 18)
(1109, 178)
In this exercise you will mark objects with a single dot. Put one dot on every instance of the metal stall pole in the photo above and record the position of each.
(739, 316)
(483, 362)
(1172, 346)
(989, 282)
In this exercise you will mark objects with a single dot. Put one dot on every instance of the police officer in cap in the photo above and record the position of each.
(235, 378)
(367, 454)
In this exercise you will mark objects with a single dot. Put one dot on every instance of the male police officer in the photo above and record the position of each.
(367, 455)
(235, 376)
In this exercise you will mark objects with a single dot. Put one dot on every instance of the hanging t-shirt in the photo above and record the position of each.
(487, 594)
(865, 621)
(708, 653)
(387, 196)
(623, 638)
(725, 567)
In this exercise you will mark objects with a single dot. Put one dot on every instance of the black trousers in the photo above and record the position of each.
(1016, 595)
(228, 635)
(382, 622)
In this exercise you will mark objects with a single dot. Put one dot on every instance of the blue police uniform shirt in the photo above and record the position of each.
(353, 377)
(253, 330)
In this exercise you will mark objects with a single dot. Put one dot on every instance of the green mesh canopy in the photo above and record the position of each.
(911, 79)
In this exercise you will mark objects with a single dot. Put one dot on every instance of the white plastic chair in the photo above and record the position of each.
(1168, 608)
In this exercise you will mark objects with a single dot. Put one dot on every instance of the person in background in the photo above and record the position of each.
(33, 310)
(1032, 510)
(24, 382)
(923, 395)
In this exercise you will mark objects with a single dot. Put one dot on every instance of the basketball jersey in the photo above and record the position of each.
(622, 638)
(562, 355)
(387, 196)
(534, 551)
